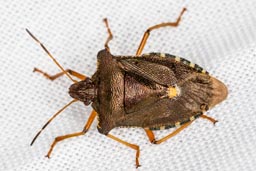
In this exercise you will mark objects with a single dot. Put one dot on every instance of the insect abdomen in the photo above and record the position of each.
(178, 59)
(177, 124)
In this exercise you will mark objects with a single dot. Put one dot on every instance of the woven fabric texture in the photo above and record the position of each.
(218, 35)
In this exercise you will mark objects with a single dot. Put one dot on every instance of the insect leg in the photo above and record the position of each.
(147, 32)
(53, 77)
(133, 146)
(60, 138)
(209, 118)
(152, 139)
(110, 35)
(150, 135)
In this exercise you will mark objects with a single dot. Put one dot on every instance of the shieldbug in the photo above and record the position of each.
(152, 91)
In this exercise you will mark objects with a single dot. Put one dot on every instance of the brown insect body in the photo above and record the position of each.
(133, 91)
(152, 91)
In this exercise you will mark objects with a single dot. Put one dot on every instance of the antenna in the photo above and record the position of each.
(47, 123)
(50, 55)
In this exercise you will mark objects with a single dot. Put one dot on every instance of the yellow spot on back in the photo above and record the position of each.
(172, 92)
(204, 71)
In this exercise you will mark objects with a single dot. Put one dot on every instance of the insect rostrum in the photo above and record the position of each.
(153, 91)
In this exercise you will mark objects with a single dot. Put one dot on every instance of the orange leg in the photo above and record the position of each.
(133, 146)
(147, 33)
(60, 138)
(53, 77)
(152, 139)
(110, 35)
(209, 118)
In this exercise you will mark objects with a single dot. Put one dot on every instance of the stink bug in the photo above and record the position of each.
(152, 91)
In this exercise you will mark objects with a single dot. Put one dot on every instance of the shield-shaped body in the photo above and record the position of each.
(154, 91)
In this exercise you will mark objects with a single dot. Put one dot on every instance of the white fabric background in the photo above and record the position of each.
(218, 35)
